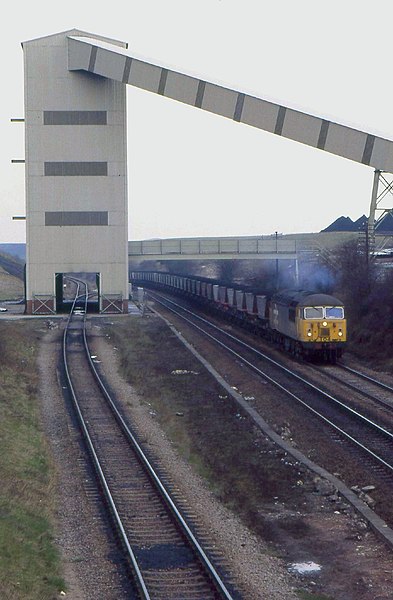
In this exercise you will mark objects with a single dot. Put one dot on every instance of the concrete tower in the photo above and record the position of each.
(76, 177)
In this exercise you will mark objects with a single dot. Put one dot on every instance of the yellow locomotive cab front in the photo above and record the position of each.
(322, 324)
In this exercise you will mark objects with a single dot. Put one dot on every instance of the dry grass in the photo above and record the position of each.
(29, 564)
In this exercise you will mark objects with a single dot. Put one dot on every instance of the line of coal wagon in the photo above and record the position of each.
(303, 323)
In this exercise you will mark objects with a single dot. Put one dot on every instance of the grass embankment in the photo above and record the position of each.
(29, 562)
(206, 426)
(10, 287)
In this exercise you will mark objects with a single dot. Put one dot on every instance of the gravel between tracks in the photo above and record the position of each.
(364, 570)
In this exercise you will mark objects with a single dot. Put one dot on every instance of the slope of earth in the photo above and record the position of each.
(11, 277)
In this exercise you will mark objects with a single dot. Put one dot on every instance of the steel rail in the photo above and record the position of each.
(283, 388)
(159, 485)
(378, 401)
(137, 572)
(380, 384)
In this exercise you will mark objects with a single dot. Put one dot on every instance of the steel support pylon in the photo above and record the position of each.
(381, 188)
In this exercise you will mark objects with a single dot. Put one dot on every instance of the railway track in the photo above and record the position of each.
(165, 558)
(377, 391)
(372, 439)
(365, 394)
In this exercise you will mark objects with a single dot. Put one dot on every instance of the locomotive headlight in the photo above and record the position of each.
(324, 323)
(340, 332)
(309, 333)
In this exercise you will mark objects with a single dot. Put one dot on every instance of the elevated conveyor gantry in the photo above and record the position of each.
(115, 62)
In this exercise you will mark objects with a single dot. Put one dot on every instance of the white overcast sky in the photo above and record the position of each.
(192, 173)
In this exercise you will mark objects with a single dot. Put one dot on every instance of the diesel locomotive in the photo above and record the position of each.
(308, 324)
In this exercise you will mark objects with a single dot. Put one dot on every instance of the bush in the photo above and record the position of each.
(367, 291)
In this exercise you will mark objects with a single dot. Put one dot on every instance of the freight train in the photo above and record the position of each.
(303, 323)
